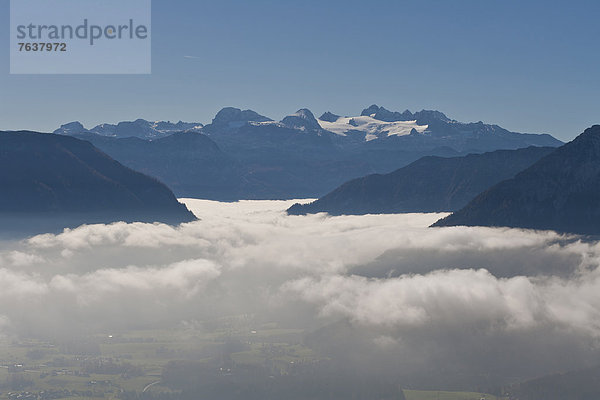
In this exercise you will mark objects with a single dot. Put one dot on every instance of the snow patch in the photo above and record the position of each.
(371, 127)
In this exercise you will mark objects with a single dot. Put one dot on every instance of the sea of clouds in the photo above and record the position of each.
(509, 302)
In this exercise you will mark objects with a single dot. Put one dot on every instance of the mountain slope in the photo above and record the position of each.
(45, 175)
(431, 184)
(560, 192)
(190, 163)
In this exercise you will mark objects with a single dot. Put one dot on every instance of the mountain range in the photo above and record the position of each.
(139, 128)
(51, 182)
(244, 155)
(560, 192)
(430, 184)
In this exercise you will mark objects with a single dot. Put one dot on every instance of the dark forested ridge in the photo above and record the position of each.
(560, 192)
(61, 179)
(431, 184)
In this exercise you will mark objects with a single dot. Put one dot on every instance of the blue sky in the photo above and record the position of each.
(527, 66)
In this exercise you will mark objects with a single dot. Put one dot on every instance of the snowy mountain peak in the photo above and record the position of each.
(230, 116)
(424, 117)
(428, 116)
(383, 114)
(371, 128)
(373, 109)
(329, 117)
(303, 119)
(304, 113)
(71, 128)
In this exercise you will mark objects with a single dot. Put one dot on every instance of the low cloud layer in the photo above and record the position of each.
(527, 302)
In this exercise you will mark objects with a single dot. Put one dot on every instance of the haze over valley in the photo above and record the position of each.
(427, 309)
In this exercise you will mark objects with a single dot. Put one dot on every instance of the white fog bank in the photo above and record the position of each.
(401, 286)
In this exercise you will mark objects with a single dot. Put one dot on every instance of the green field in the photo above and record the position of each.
(110, 364)
(438, 395)
(35, 365)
